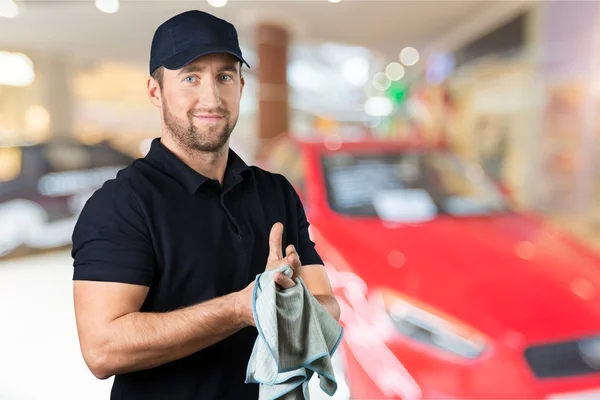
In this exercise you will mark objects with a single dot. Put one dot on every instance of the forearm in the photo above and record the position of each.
(141, 340)
(330, 304)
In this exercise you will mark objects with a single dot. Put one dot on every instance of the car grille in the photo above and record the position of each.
(558, 360)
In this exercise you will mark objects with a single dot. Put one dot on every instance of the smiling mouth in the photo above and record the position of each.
(209, 117)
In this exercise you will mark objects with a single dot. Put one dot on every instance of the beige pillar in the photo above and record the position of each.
(57, 97)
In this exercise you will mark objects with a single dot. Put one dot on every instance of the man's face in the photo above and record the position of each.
(201, 101)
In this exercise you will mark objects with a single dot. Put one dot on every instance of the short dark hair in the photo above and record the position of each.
(158, 76)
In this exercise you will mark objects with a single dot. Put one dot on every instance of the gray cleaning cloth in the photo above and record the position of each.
(296, 338)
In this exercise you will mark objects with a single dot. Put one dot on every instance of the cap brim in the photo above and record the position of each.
(186, 56)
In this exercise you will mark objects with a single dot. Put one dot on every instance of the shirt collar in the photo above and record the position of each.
(168, 162)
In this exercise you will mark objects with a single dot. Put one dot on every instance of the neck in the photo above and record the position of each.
(211, 164)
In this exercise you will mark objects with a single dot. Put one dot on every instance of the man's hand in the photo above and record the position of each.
(243, 299)
(276, 258)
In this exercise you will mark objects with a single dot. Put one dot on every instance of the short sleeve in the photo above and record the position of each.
(306, 247)
(111, 242)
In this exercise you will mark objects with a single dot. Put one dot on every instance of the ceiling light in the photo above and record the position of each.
(394, 71)
(217, 3)
(107, 6)
(379, 106)
(16, 69)
(9, 9)
(409, 56)
(334, 1)
(355, 70)
(381, 82)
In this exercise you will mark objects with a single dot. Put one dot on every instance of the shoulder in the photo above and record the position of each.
(271, 178)
(130, 185)
(114, 190)
(113, 201)
(111, 240)
(276, 187)
(112, 214)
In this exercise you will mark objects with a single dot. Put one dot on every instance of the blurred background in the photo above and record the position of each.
(445, 152)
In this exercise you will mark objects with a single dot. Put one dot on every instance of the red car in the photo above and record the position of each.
(446, 292)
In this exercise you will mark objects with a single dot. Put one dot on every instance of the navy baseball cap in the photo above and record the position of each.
(189, 35)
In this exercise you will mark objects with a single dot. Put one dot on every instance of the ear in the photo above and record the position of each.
(154, 93)
(242, 83)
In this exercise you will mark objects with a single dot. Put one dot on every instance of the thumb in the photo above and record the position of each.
(275, 240)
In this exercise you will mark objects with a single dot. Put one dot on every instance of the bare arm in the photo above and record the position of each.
(116, 338)
(330, 303)
(317, 282)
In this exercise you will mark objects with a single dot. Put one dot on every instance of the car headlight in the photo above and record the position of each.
(432, 328)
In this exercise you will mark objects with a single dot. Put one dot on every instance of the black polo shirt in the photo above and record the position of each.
(161, 224)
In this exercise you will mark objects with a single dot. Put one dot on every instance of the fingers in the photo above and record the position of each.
(290, 249)
(275, 240)
(284, 281)
(276, 258)
(293, 260)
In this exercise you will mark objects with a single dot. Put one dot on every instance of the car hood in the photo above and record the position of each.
(506, 274)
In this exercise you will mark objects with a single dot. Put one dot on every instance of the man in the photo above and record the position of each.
(165, 255)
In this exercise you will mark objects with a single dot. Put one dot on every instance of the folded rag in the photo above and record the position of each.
(296, 338)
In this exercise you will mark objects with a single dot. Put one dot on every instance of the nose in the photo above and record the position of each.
(209, 95)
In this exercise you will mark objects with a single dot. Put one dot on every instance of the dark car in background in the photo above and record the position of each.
(43, 188)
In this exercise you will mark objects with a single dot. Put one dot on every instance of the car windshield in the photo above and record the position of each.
(408, 186)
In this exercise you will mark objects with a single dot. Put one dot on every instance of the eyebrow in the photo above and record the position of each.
(200, 68)
(229, 68)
